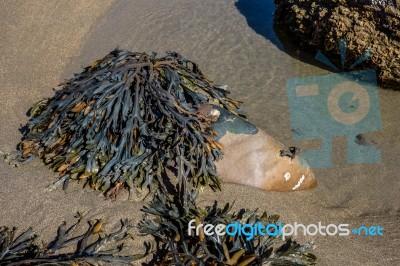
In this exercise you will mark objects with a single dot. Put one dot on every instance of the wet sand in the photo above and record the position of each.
(44, 42)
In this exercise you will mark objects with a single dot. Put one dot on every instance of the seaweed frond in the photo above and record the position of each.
(125, 120)
(89, 247)
(166, 220)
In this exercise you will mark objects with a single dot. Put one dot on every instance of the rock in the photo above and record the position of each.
(365, 24)
(252, 158)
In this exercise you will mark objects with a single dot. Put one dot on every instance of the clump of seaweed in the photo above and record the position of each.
(88, 249)
(167, 221)
(125, 120)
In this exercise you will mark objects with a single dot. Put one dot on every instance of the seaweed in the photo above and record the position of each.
(127, 119)
(166, 220)
(25, 250)
(130, 120)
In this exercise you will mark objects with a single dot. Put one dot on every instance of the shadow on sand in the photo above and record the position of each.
(259, 15)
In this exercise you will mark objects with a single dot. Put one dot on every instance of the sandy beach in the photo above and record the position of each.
(44, 42)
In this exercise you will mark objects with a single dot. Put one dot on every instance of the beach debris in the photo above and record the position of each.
(362, 139)
(126, 119)
(291, 153)
(89, 248)
(166, 221)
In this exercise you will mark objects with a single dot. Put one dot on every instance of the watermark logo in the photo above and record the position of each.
(249, 231)
(338, 104)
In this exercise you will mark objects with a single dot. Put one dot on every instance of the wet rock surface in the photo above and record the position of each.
(366, 25)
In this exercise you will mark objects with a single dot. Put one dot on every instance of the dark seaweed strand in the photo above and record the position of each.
(166, 220)
(90, 248)
(126, 119)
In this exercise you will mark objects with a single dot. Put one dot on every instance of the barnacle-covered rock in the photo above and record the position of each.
(166, 220)
(372, 25)
(128, 118)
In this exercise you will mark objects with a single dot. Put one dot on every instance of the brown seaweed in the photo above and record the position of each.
(24, 249)
(125, 120)
(167, 221)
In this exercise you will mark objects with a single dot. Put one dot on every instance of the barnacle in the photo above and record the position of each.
(126, 119)
(365, 24)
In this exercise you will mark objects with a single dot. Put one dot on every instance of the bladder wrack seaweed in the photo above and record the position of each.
(126, 119)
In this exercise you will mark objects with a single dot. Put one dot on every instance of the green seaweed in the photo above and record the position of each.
(167, 221)
(24, 249)
(125, 120)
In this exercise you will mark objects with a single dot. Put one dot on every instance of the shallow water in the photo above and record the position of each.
(233, 45)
